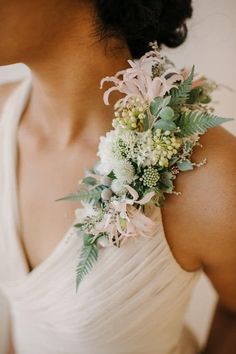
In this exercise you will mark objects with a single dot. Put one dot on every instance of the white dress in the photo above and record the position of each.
(132, 302)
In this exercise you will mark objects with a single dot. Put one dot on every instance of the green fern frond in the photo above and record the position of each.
(181, 94)
(84, 195)
(198, 122)
(88, 256)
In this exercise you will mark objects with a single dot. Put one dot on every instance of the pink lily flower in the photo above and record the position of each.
(137, 81)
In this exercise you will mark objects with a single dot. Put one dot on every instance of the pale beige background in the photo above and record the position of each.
(211, 46)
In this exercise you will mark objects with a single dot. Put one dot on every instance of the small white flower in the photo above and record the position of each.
(144, 149)
(86, 210)
(124, 172)
(80, 214)
(103, 242)
(104, 168)
(117, 187)
(106, 194)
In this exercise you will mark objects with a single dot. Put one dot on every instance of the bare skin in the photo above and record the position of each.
(200, 227)
(58, 136)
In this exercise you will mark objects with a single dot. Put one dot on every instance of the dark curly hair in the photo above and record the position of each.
(140, 21)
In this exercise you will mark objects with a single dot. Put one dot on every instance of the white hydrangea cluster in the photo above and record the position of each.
(120, 149)
(116, 148)
(105, 152)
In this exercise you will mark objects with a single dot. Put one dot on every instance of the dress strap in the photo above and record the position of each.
(12, 111)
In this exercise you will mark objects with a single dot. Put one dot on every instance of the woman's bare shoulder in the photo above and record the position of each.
(201, 222)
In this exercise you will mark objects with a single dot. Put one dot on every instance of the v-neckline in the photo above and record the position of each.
(20, 105)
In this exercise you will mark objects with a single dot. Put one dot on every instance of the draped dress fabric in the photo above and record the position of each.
(133, 301)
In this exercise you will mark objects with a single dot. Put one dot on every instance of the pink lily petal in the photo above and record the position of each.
(146, 198)
(174, 78)
(154, 88)
(107, 94)
(132, 191)
(198, 83)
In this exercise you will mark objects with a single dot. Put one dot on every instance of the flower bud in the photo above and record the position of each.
(106, 194)
(106, 181)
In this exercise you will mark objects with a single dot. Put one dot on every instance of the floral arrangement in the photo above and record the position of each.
(156, 126)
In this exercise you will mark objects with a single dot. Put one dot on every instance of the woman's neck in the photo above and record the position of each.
(66, 99)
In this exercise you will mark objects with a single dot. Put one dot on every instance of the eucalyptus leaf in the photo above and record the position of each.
(173, 160)
(185, 165)
(155, 105)
(188, 145)
(166, 101)
(165, 125)
(90, 180)
(166, 180)
(167, 113)
(159, 103)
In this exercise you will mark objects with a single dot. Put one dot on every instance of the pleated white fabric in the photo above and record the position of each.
(132, 302)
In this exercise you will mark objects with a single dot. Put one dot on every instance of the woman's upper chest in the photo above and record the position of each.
(45, 174)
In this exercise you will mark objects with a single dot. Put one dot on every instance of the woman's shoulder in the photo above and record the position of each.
(202, 218)
(218, 146)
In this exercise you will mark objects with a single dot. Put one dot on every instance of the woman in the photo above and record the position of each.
(50, 131)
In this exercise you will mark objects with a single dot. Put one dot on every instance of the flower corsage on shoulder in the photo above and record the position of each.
(156, 126)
